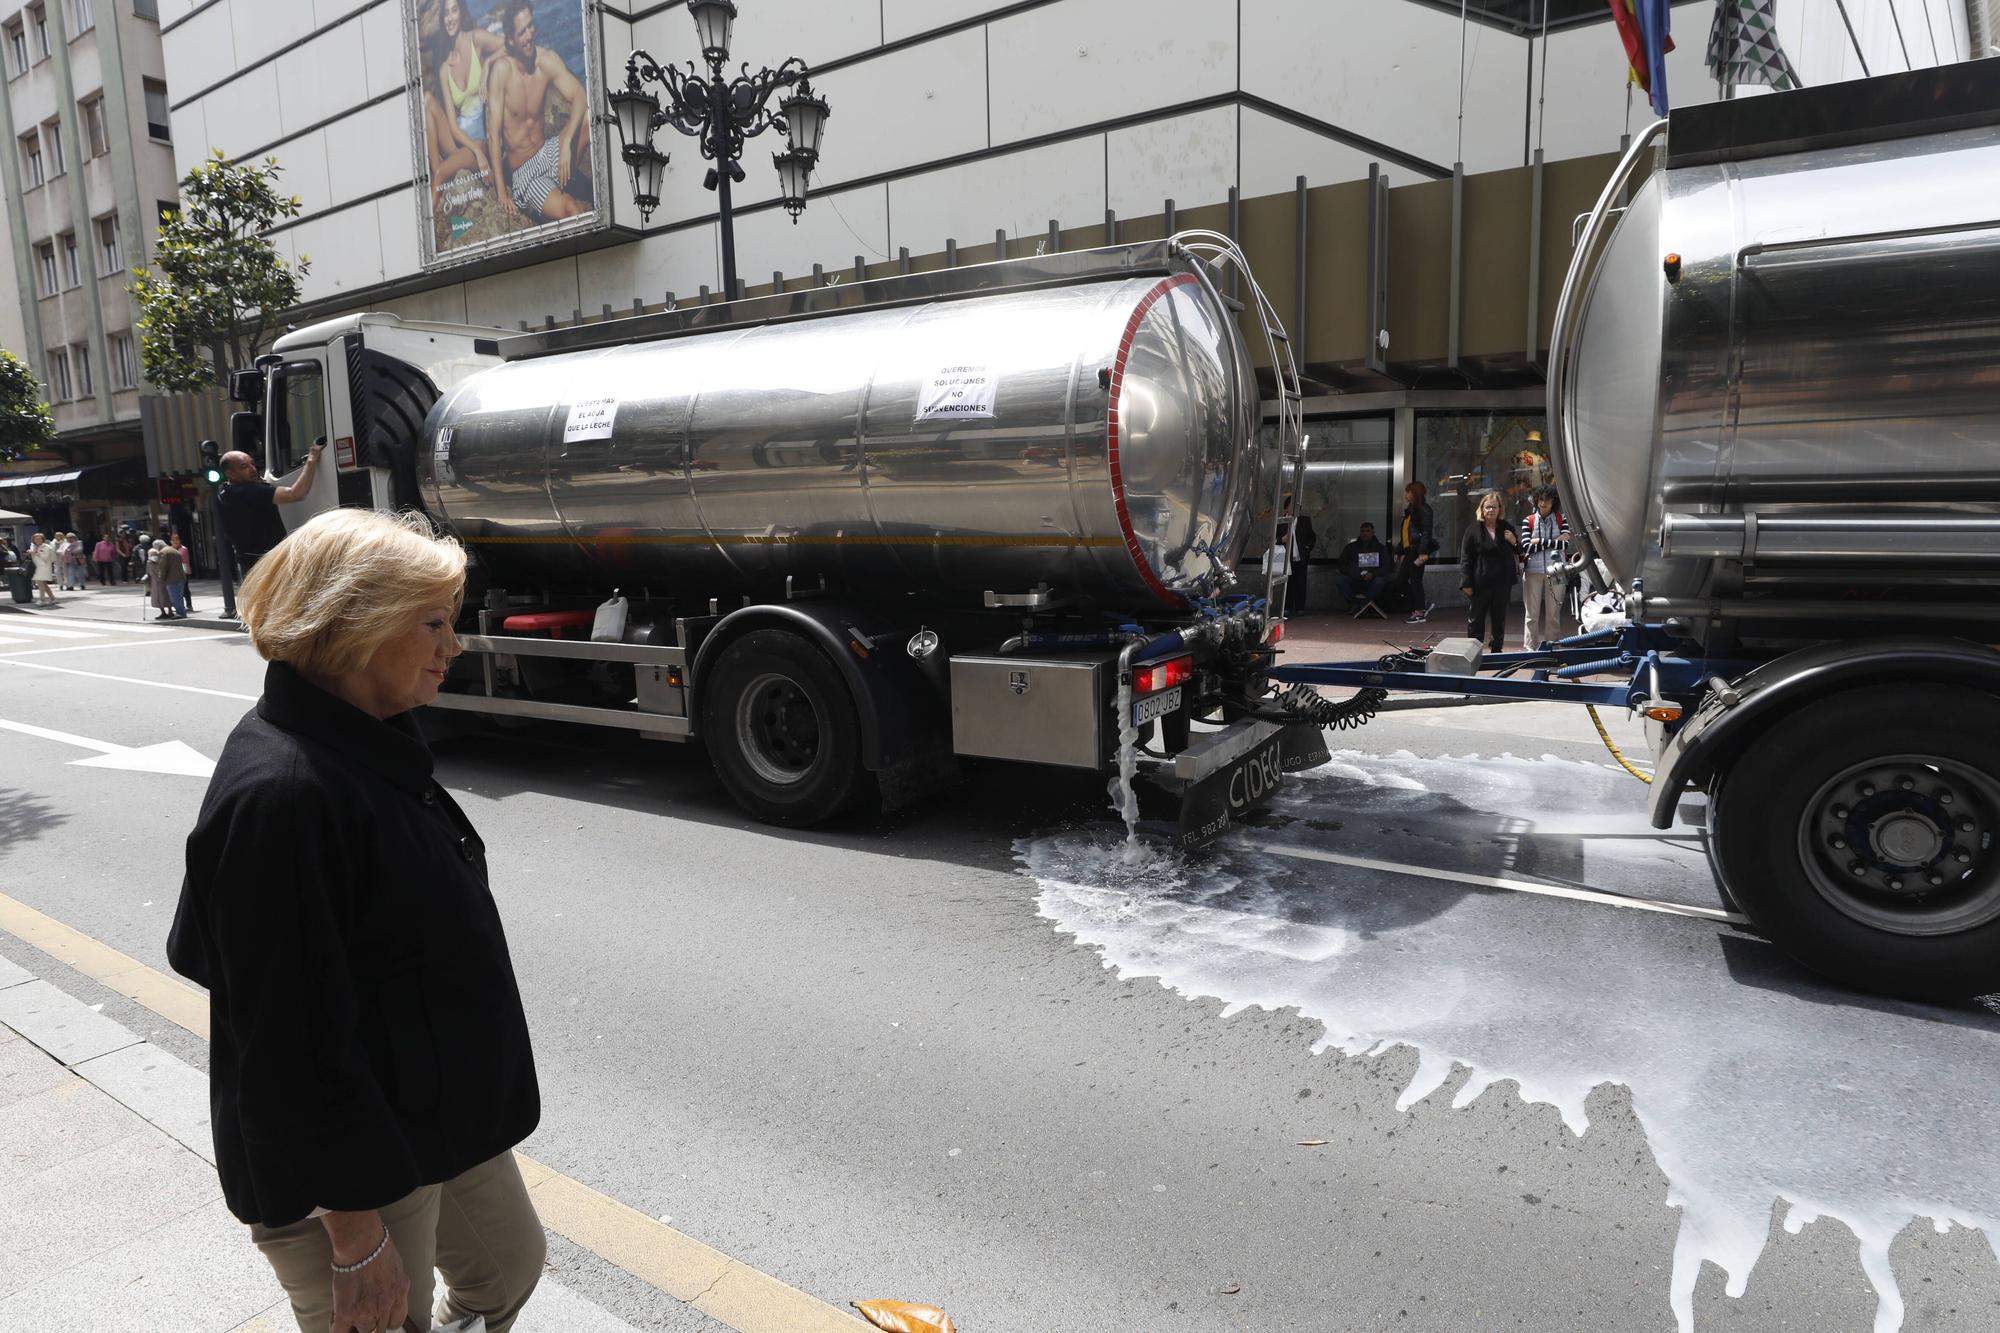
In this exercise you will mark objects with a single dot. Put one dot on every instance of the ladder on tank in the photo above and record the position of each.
(1220, 251)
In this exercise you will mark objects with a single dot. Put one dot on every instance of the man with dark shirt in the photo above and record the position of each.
(250, 504)
(1363, 570)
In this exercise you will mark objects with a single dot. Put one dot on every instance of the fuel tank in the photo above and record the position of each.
(1776, 366)
(1015, 428)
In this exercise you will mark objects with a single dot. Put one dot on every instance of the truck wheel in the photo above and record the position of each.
(1860, 834)
(781, 730)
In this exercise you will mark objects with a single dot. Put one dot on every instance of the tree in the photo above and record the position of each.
(217, 287)
(25, 420)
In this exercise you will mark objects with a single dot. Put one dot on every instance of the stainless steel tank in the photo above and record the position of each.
(1784, 363)
(1098, 437)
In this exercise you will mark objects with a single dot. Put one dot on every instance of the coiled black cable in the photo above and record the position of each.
(1301, 704)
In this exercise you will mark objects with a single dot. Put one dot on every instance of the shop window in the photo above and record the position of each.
(156, 111)
(1459, 456)
(124, 366)
(109, 253)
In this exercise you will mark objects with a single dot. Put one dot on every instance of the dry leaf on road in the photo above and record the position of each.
(903, 1317)
(1312, 1143)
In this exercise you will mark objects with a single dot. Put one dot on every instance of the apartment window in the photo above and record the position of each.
(31, 162)
(83, 16)
(52, 148)
(123, 366)
(147, 9)
(38, 19)
(109, 254)
(45, 264)
(59, 375)
(96, 136)
(156, 111)
(17, 49)
(79, 355)
(72, 266)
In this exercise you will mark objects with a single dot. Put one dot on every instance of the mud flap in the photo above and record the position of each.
(1227, 774)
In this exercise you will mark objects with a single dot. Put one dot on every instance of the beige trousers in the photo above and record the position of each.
(478, 1229)
(1541, 610)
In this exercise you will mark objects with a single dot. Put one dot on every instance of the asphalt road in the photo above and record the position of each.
(951, 1056)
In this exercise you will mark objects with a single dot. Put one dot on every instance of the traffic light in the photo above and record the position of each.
(211, 462)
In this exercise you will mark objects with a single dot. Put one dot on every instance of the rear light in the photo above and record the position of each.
(1162, 675)
(1277, 632)
(1664, 712)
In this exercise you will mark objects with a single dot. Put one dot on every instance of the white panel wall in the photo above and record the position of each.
(369, 150)
(1276, 153)
(305, 175)
(916, 105)
(834, 228)
(189, 125)
(525, 293)
(243, 113)
(320, 79)
(382, 47)
(1019, 191)
(326, 11)
(1190, 159)
(199, 52)
(396, 218)
(261, 26)
(345, 249)
(681, 262)
(1084, 61)
(766, 34)
(907, 18)
(446, 305)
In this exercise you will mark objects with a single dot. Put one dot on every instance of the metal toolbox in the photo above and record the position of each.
(1043, 710)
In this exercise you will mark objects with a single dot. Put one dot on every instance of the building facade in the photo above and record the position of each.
(87, 164)
(971, 128)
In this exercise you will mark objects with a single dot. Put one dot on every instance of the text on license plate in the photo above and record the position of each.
(1156, 705)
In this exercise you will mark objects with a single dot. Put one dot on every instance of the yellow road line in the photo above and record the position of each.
(725, 1289)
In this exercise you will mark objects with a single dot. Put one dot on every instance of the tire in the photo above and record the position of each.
(1862, 834)
(782, 731)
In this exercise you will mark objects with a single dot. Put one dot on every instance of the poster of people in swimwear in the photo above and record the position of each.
(504, 118)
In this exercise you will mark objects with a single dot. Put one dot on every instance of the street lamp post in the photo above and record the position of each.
(718, 113)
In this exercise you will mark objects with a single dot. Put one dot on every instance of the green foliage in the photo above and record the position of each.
(25, 419)
(218, 287)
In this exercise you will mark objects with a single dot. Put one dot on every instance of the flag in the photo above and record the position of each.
(1743, 45)
(1635, 20)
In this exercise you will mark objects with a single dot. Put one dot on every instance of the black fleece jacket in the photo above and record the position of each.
(366, 1031)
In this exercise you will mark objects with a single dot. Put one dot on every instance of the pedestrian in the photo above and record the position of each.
(1296, 585)
(187, 571)
(1489, 562)
(1363, 573)
(249, 504)
(1416, 543)
(1545, 546)
(103, 556)
(124, 546)
(164, 571)
(370, 1066)
(44, 558)
(74, 563)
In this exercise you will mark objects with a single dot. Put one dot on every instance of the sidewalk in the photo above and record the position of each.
(127, 603)
(1335, 636)
(110, 1214)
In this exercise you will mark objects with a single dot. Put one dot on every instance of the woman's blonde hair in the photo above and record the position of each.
(344, 584)
(1499, 504)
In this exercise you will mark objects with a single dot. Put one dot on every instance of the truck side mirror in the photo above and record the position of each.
(246, 386)
(246, 433)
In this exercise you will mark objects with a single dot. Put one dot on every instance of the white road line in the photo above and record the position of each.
(1515, 885)
(127, 680)
(114, 626)
(36, 631)
(122, 643)
(15, 641)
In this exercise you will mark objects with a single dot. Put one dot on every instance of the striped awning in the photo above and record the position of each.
(41, 479)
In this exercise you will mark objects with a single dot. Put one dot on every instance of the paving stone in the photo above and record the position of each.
(58, 1125)
(13, 974)
(61, 1024)
(26, 1070)
(166, 1091)
(555, 1308)
(197, 1271)
(71, 1212)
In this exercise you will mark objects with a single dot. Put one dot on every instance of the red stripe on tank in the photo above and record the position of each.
(1145, 567)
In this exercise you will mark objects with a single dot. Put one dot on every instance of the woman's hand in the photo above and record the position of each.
(1513, 538)
(375, 1298)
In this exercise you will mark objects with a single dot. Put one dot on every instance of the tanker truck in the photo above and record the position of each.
(845, 537)
(1774, 410)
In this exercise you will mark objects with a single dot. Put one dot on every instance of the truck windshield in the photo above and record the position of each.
(298, 414)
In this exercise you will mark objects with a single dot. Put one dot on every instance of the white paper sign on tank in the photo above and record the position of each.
(590, 419)
(956, 393)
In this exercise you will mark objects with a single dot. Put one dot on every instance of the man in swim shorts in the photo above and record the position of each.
(539, 172)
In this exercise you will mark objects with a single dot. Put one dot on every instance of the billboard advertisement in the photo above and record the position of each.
(508, 155)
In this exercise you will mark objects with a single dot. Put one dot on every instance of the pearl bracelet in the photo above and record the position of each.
(375, 1254)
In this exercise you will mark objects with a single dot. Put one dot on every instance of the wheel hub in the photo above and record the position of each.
(777, 729)
(1905, 843)
(1907, 839)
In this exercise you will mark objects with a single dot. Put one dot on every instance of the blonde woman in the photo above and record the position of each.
(1489, 564)
(370, 1066)
(43, 557)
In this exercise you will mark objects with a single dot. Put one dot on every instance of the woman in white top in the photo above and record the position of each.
(42, 554)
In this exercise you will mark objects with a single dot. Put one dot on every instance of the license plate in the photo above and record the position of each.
(1156, 705)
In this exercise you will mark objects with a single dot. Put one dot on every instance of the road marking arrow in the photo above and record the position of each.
(166, 757)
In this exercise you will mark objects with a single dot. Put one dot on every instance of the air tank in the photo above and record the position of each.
(1097, 436)
(1775, 362)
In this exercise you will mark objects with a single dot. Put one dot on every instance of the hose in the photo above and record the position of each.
(1610, 745)
(1302, 704)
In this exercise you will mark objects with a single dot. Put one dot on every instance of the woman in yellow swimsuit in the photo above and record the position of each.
(461, 75)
